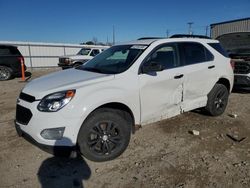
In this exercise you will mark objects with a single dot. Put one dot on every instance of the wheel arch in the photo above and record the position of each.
(117, 106)
(225, 82)
(6, 65)
(81, 144)
(77, 63)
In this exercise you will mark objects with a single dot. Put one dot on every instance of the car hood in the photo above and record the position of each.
(63, 80)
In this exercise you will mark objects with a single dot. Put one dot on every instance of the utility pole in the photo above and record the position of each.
(113, 34)
(167, 32)
(207, 30)
(190, 28)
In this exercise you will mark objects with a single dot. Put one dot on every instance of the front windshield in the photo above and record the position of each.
(84, 51)
(114, 60)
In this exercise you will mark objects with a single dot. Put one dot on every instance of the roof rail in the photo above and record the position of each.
(145, 38)
(189, 36)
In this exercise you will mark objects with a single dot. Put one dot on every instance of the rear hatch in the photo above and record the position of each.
(238, 47)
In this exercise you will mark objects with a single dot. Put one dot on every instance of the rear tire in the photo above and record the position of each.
(6, 73)
(217, 100)
(104, 135)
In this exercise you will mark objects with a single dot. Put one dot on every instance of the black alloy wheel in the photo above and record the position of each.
(217, 100)
(105, 134)
(221, 99)
(104, 138)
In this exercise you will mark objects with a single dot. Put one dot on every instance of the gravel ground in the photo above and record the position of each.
(163, 154)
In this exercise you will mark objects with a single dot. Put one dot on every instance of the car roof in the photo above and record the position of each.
(165, 40)
(139, 42)
(7, 45)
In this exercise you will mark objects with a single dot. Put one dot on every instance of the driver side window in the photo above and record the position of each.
(165, 55)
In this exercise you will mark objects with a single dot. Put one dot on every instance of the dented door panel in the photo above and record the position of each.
(198, 82)
(160, 95)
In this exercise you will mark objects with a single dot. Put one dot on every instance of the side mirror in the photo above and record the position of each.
(152, 67)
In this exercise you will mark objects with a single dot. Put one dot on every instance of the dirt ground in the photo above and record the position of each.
(163, 154)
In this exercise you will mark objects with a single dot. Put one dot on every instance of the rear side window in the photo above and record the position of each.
(193, 53)
(5, 50)
(218, 48)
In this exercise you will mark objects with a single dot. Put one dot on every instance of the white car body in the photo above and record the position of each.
(150, 98)
(78, 57)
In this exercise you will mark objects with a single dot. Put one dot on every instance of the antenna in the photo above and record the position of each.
(207, 30)
(167, 32)
(113, 34)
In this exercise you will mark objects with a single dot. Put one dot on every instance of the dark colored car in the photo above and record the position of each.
(10, 62)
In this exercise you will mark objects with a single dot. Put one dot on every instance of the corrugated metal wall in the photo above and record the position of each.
(219, 29)
(44, 54)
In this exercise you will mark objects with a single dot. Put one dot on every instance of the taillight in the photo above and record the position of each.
(21, 59)
(232, 64)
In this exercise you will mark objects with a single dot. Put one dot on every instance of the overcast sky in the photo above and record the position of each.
(75, 21)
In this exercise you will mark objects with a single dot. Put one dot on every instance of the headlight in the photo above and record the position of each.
(55, 101)
(68, 61)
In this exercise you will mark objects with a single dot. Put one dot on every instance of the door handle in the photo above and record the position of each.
(211, 67)
(178, 76)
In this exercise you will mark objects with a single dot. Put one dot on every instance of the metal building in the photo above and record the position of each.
(233, 35)
(44, 54)
(233, 26)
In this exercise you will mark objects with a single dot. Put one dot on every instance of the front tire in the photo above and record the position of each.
(77, 65)
(6, 73)
(217, 100)
(104, 135)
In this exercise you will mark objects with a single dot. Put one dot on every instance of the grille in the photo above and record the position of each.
(23, 115)
(242, 67)
(62, 60)
(27, 97)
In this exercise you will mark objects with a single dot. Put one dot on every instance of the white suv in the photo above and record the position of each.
(95, 107)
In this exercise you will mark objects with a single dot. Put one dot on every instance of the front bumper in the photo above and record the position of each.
(65, 66)
(31, 121)
(55, 150)
(241, 80)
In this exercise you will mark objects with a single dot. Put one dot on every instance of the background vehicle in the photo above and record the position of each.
(130, 84)
(238, 47)
(80, 58)
(10, 62)
(241, 57)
